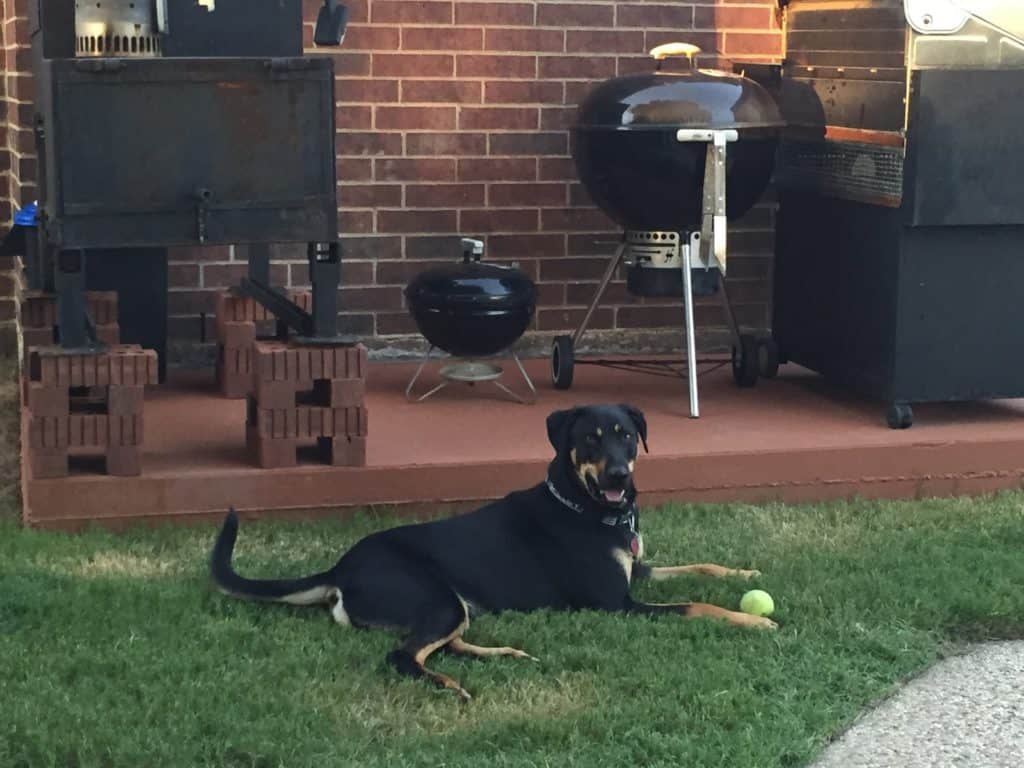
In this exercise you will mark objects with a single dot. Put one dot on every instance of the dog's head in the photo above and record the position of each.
(598, 446)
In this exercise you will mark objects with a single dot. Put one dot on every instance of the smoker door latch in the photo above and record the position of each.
(202, 200)
(99, 65)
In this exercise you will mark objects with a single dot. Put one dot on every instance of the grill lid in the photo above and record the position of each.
(699, 98)
(471, 285)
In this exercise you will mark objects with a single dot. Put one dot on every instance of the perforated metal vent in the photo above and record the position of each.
(116, 28)
(866, 173)
(656, 250)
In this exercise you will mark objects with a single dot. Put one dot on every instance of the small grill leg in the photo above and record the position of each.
(691, 335)
(605, 279)
(529, 383)
(415, 377)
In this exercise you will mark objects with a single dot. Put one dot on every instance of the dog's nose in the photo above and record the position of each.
(618, 474)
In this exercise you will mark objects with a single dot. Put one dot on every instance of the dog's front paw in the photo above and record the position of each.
(750, 621)
(760, 622)
(746, 574)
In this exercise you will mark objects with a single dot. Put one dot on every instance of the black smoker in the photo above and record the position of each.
(183, 122)
(900, 245)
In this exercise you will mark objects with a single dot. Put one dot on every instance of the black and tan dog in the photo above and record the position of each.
(571, 542)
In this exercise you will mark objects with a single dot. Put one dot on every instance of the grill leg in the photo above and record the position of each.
(730, 316)
(35, 249)
(415, 377)
(259, 271)
(69, 282)
(259, 263)
(325, 276)
(605, 279)
(691, 335)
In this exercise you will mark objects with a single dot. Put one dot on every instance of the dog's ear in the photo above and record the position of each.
(639, 422)
(559, 427)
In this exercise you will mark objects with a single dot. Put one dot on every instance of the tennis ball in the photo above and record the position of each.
(758, 603)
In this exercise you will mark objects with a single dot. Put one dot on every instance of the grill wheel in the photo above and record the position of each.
(563, 361)
(767, 358)
(900, 416)
(745, 361)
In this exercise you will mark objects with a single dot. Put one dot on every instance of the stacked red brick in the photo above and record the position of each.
(90, 404)
(307, 395)
(237, 321)
(39, 317)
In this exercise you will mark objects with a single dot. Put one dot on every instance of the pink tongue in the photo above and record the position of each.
(614, 496)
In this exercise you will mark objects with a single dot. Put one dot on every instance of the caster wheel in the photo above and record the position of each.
(562, 362)
(745, 361)
(767, 358)
(899, 416)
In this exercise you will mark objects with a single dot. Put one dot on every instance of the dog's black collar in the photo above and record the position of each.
(625, 519)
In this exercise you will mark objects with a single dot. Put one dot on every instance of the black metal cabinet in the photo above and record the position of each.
(905, 314)
(900, 237)
(921, 302)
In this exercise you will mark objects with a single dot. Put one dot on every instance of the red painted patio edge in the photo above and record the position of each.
(789, 440)
(914, 471)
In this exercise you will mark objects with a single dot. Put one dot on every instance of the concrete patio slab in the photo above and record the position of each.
(965, 712)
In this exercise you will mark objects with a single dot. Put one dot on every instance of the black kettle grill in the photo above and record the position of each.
(656, 152)
(471, 310)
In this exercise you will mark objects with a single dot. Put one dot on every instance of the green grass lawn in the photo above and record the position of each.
(114, 650)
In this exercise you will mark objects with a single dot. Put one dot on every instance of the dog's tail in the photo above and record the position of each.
(311, 590)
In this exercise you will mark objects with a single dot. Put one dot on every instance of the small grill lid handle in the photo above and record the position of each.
(661, 52)
(472, 249)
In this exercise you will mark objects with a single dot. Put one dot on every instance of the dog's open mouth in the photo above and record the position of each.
(613, 496)
(610, 496)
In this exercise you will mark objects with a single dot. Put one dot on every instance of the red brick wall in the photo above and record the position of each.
(452, 121)
(5, 155)
(17, 144)
(9, 267)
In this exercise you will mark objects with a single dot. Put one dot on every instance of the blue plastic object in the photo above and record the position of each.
(27, 216)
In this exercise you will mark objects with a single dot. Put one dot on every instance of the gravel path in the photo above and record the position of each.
(965, 712)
